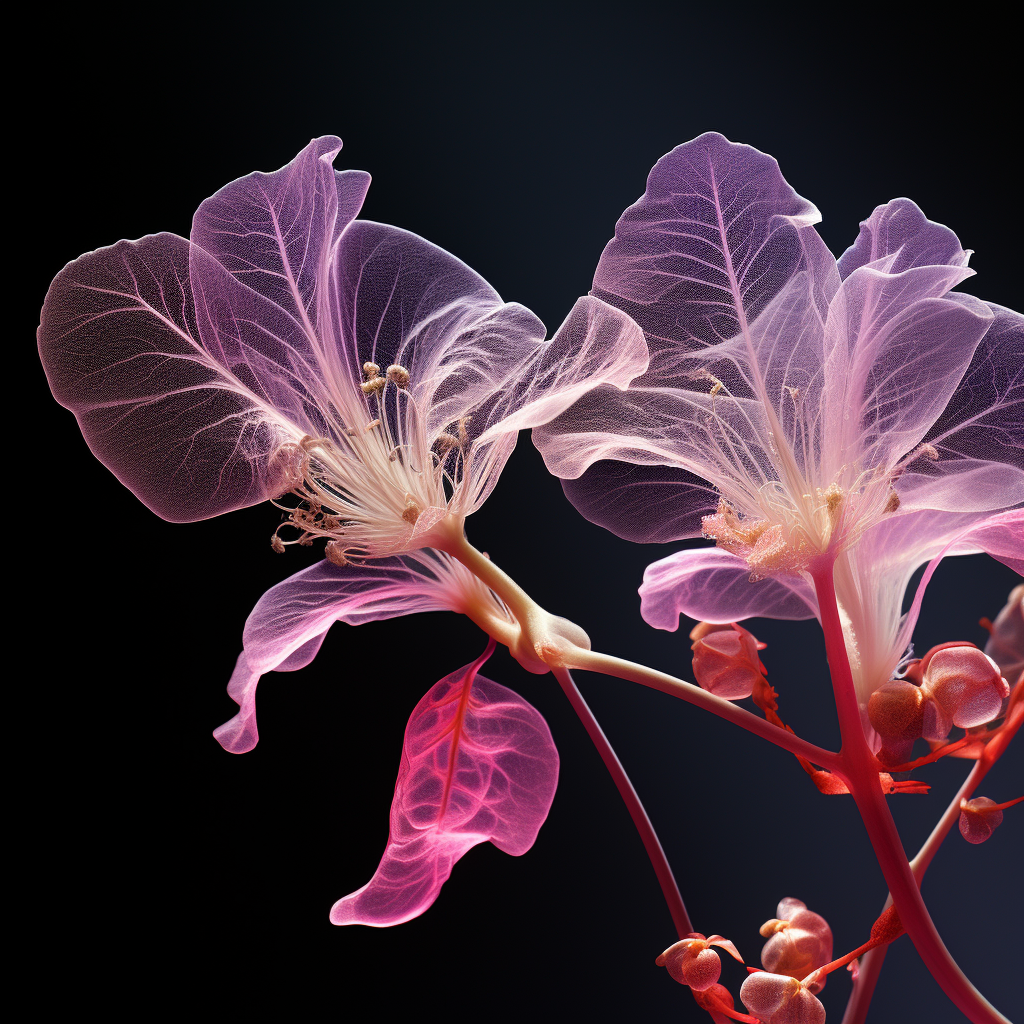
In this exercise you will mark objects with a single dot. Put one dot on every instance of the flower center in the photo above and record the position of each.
(378, 485)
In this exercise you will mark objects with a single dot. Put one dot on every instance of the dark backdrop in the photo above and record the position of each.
(176, 875)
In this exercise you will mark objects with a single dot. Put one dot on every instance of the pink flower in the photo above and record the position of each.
(797, 409)
(287, 349)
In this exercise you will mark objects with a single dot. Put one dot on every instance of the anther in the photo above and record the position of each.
(335, 553)
(370, 426)
(411, 512)
(398, 375)
(371, 370)
(373, 386)
(892, 503)
(277, 545)
(444, 443)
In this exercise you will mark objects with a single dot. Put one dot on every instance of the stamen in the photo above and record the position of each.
(371, 370)
(398, 375)
(373, 386)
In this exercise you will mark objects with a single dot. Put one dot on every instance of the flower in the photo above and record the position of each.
(369, 382)
(797, 410)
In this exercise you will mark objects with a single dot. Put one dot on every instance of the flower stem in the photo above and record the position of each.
(861, 775)
(594, 661)
(659, 861)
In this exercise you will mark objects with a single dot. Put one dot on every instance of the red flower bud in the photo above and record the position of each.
(725, 662)
(778, 999)
(979, 818)
(965, 685)
(800, 942)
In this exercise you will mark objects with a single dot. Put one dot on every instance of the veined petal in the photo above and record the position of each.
(478, 764)
(274, 232)
(712, 585)
(899, 230)
(896, 348)
(982, 424)
(285, 629)
(713, 239)
(174, 423)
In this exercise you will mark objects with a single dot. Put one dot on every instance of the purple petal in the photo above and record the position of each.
(122, 350)
(688, 261)
(478, 764)
(285, 629)
(274, 232)
(901, 231)
(981, 427)
(712, 585)
(896, 351)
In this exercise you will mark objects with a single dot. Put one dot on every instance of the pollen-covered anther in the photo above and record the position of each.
(371, 370)
(286, 468)
(334, 552)
(445, 442)
(277, 545)
(892, 503)
(398, 375)
(373, 386)
(411, 512)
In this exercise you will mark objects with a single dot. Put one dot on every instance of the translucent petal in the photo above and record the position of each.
(285, 629)
(712, 585)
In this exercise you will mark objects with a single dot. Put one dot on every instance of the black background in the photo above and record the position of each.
(165, 873)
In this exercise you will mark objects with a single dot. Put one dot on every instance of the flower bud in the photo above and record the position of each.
(965, 685)
(800, 942)
(896, 711)
(779, 999)
(725, 662)
(692, 962)
(979, 818)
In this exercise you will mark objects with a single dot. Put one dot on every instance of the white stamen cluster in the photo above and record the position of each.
(365, 488)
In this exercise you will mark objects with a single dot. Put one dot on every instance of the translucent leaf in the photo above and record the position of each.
(478, 764)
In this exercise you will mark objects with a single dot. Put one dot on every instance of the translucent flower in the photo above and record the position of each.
(366, 380)
(797, 410)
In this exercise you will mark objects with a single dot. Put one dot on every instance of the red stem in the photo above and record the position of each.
(652, 844)
(861, 775)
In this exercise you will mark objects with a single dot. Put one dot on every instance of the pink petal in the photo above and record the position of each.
(169, 417)
(712, 585)
(1001, 536)
(285, 629)
(901, 231)
(478, 764)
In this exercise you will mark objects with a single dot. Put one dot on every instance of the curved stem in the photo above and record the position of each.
(871, 965)
(861, 774)
(594, 661)
(652, 844)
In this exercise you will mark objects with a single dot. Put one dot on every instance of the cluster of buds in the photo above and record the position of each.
(799, 945)
(954, 684)
(725, 660)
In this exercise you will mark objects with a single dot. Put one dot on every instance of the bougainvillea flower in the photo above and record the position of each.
(478, 764)
(366, 379)
(797, 410)
(799, 942)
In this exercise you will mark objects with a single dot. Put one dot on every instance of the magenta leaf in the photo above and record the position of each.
(478, 764)
(286, 628)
